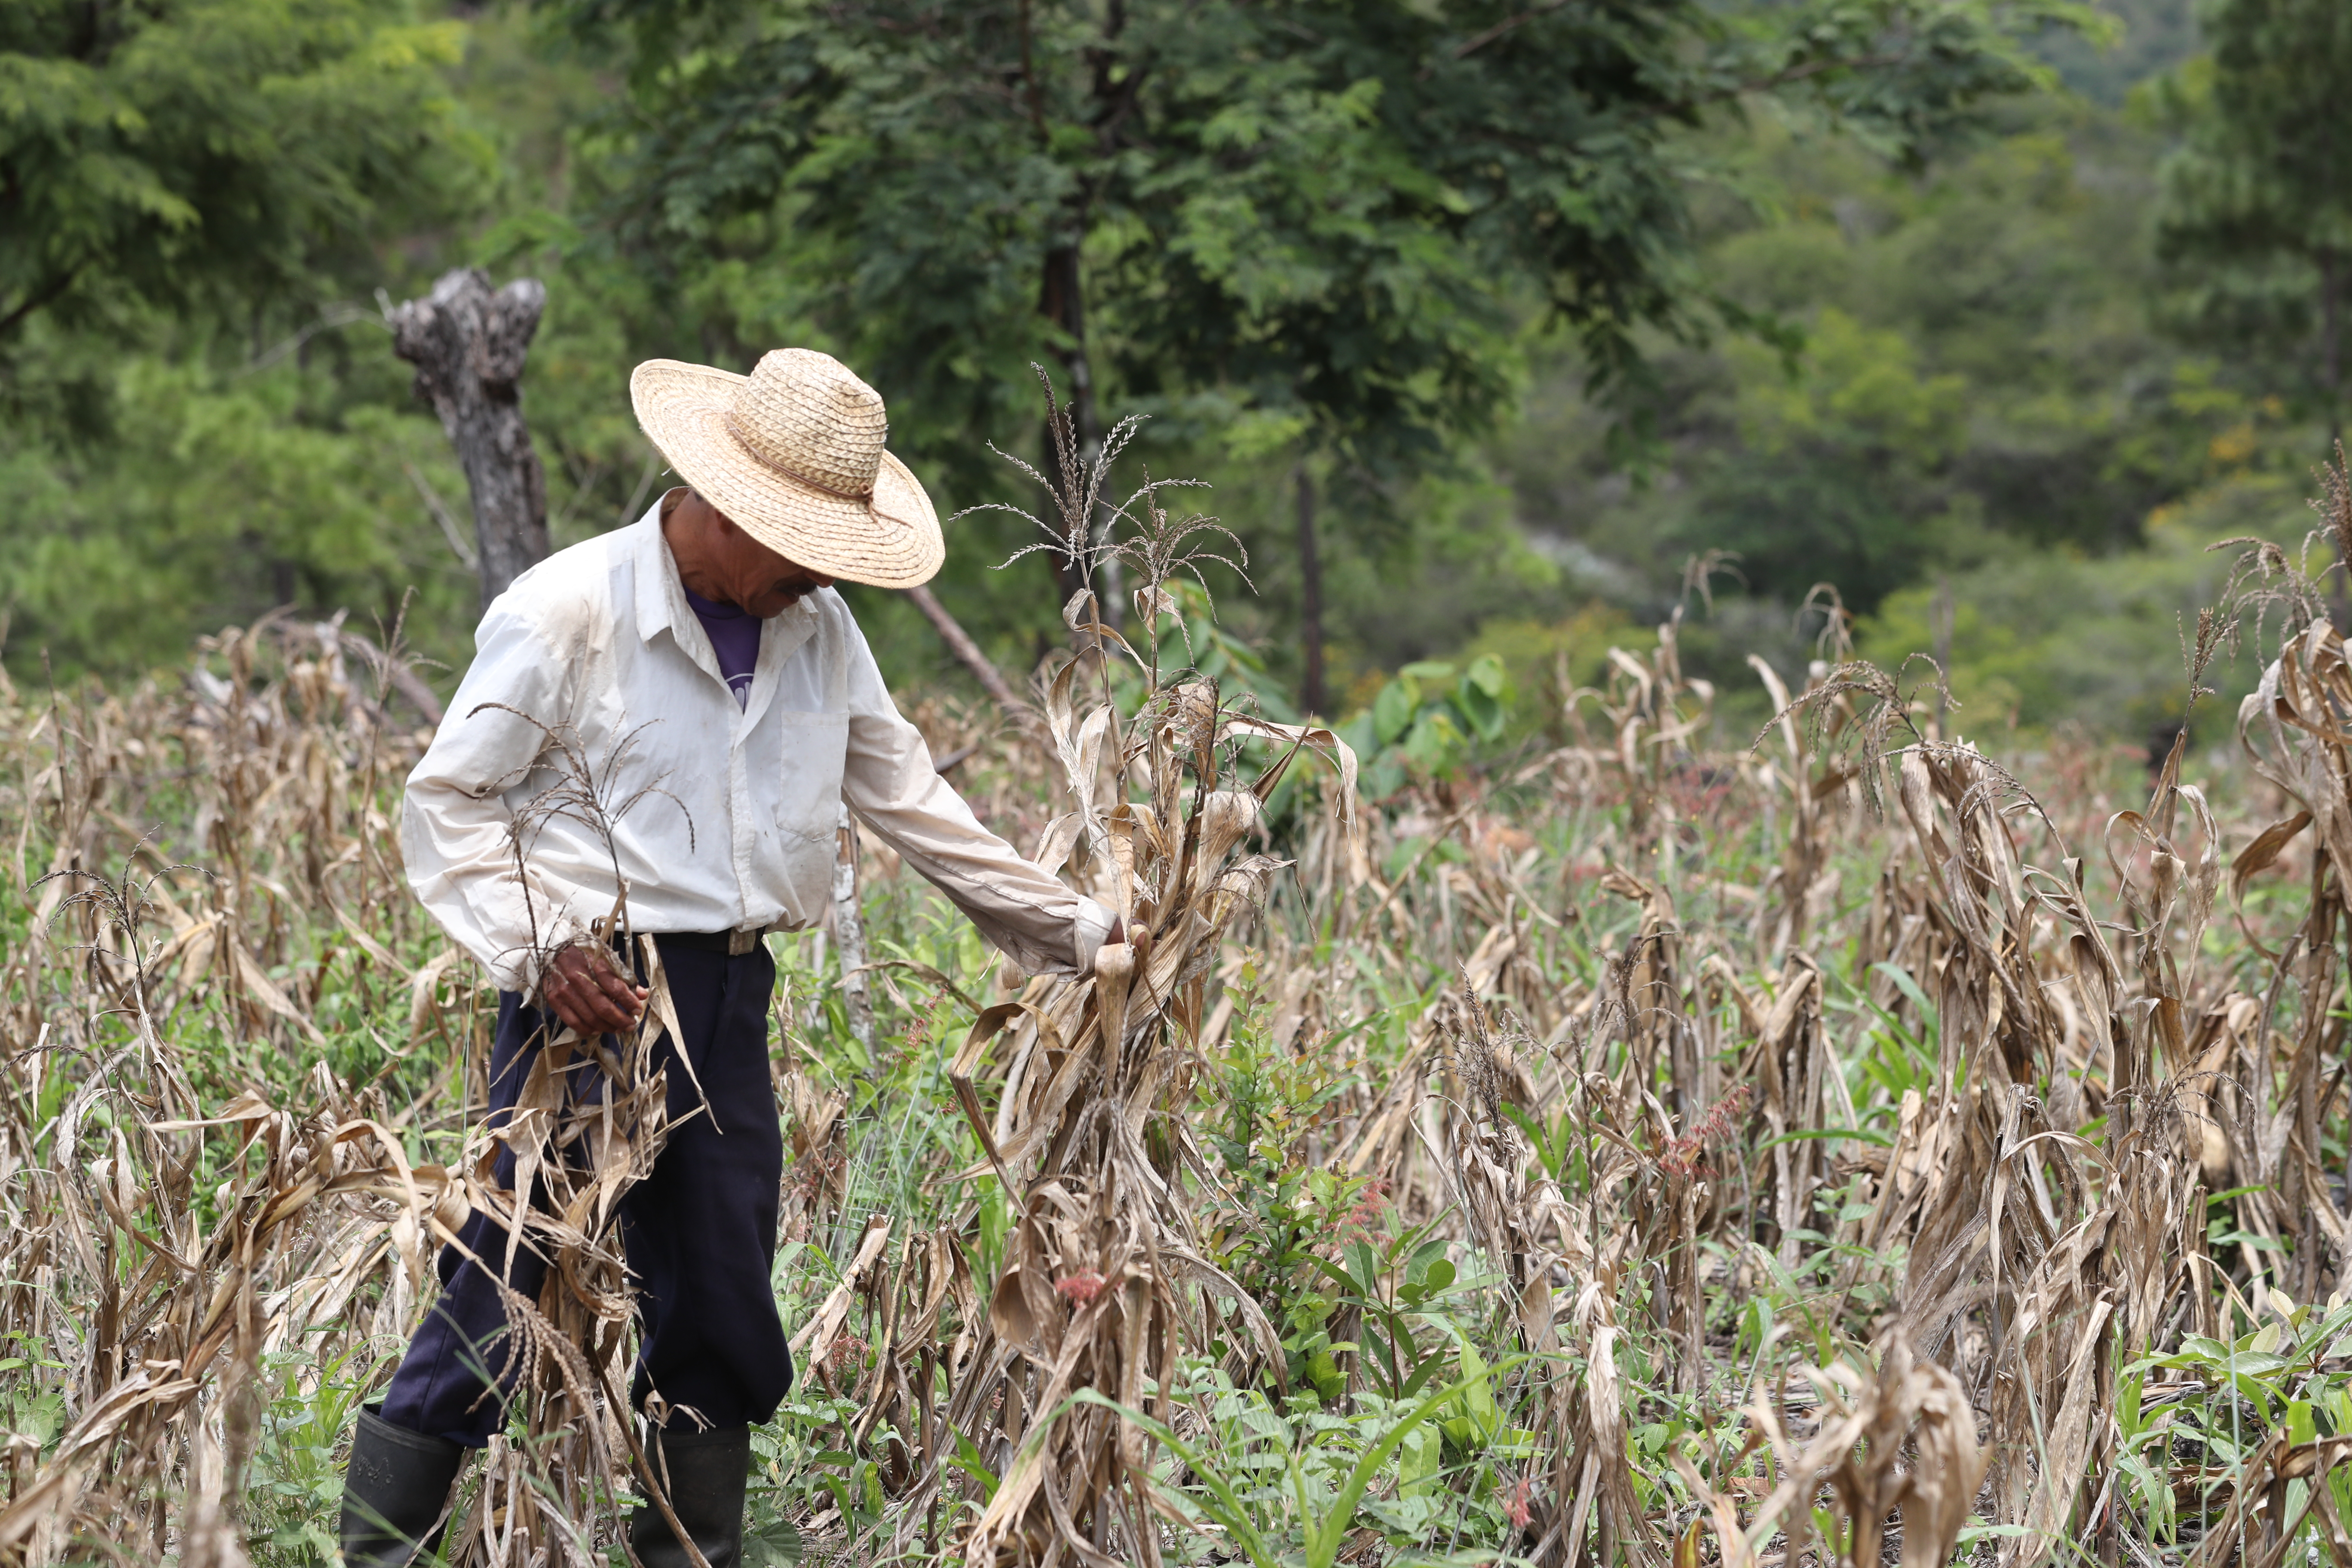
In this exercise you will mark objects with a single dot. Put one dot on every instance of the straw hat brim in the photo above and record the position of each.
(891, 540)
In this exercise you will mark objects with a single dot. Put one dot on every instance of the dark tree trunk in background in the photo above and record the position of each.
(1939, 625)
(1060, 295)
(1062, 302)
(1312, 698)
(467, 345)
(2331, 342)
(2331, 369)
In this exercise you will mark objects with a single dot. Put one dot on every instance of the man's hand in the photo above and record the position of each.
(587, 990)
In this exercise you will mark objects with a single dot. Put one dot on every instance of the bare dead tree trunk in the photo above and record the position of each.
(467, 345)
(1312, 698)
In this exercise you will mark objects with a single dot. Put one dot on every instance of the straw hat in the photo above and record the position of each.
(793, 455)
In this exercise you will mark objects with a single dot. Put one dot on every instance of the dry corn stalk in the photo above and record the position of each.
(1104, 1285)
(1103, 1282)
(1899, 1440)
(328, 1203)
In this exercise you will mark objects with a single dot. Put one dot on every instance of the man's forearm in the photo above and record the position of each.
(462, 866)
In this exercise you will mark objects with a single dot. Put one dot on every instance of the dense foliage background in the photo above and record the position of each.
(1987, 317)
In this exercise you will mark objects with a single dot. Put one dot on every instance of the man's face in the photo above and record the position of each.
(750, 576)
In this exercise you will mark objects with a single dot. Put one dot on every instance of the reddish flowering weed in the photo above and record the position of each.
(1364, 1215)
(1081, 1288)
(1686, 1155)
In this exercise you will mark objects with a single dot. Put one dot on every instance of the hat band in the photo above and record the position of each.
(865, 495)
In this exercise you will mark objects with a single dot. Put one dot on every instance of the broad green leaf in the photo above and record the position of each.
(1392, 713)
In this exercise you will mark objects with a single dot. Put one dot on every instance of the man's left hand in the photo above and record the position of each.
(586, 989)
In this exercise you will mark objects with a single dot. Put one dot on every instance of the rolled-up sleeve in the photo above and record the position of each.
(1033, 917)
(456, 831)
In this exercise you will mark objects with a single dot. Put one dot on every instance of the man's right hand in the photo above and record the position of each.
(586, 989)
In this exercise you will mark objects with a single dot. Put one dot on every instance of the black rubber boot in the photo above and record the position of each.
(394, 1491)
(707, 1474)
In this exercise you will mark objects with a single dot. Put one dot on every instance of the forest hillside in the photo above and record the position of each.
(1970, 369)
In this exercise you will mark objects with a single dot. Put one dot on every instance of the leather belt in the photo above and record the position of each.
(729, 943)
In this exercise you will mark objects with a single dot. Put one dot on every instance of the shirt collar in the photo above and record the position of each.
(662, 607)
(661, 598)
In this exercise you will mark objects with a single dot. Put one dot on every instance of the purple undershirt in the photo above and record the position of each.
(734, 637)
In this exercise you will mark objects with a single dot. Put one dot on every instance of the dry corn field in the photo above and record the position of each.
(1649, 1149)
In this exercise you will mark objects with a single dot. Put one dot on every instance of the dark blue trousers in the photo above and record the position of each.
(699, 1231)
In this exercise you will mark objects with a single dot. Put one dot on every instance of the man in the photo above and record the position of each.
(700, 663)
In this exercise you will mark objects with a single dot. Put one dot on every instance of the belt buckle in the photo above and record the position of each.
(742, 940)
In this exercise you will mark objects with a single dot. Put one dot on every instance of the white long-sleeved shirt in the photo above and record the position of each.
(616, 746)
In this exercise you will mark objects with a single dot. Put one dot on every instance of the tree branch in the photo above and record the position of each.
(46, 294)
(399, 675)
(960, 643)
(1507, 25)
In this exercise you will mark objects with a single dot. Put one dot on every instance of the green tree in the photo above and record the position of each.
(189, 151)
(192, 192)
(1981, 372)
(2258, 198)
(1309, 223)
